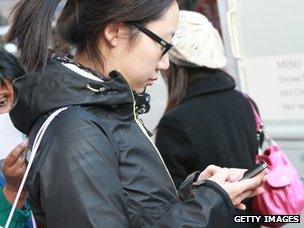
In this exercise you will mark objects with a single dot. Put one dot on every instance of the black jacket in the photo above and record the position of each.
(96, 165)
(214, 124)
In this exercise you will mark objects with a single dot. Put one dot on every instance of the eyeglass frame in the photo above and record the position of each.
(167, 46)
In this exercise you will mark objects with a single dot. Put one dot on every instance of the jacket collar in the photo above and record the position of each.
(205, 81)
(57, 86)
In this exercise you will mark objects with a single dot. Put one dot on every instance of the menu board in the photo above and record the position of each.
(276, 84)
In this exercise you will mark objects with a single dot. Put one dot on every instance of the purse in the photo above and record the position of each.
(284, 189)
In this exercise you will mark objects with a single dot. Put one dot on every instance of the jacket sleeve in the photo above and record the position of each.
(207, 206)
(177, 147)
(78, 183)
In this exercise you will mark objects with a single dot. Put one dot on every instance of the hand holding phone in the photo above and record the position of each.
(255, 170)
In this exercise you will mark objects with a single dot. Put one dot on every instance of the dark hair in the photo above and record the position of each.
(187, 4)
(177, 79)
(9, 67)
(80, 24)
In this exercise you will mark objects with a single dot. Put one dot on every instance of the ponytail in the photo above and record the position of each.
(32, 28)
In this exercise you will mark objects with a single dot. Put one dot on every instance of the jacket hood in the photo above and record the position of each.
(57, 86)
(206, 81)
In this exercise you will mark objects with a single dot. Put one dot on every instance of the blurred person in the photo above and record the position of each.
(10, 69)
(96, 165)
(207, 121)
(14, 165)
(13, 170)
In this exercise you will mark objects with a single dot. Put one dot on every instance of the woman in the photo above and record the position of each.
(96, 165)
(207, 120)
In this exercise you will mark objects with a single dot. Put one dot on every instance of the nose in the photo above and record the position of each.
(164, 62)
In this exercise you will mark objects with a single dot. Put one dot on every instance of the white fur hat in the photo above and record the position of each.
(197, 42)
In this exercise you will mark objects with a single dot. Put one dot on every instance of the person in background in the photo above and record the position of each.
(10, 69)
(96, 165)
(14, 165)
(207, 121)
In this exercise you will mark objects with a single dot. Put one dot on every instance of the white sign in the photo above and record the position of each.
(277, 85)
(10, 137)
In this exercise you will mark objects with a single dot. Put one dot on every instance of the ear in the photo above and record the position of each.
(115, 32)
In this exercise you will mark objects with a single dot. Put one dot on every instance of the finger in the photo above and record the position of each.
(253, 182)
(13, 156)
(241, 206)
(210, 170)
(221, 176)
(235, 174)
(244, 195)
(19, 162)
(256, 192)
(23, 167)
(249, 194)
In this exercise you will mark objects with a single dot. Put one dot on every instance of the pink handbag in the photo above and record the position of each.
(284, 189)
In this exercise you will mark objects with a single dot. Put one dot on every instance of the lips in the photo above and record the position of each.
(151, 81)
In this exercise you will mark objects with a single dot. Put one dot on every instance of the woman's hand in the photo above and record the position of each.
(14, 167)
(237, 190)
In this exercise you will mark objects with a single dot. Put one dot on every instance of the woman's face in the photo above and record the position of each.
(6, 96)
(141, 62)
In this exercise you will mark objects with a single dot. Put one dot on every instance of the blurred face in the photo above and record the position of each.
(141, 62)
(6, 96)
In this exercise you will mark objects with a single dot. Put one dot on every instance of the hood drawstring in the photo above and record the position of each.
(100, 90)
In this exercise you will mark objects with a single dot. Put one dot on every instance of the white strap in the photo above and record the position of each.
(32, 156)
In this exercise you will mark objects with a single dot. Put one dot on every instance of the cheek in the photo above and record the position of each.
(147, 58)
(5, 104)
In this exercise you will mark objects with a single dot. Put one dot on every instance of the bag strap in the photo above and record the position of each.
(257, 117)
(258, 123)
(35, 147)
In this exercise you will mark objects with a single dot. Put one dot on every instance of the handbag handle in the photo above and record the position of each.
(35, 147)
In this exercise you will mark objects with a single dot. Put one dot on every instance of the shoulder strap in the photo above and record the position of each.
(35, 147)
(260, 135)
(257, 117)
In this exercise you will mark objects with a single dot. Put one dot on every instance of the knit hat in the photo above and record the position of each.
(197, 43)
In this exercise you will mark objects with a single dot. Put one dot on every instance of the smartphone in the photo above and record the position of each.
(255, 170)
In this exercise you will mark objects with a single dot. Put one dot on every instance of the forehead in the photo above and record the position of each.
(167, 24)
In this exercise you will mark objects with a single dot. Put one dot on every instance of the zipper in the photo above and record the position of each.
(149, 138)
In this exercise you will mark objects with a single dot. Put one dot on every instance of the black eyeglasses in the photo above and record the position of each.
(167, 46)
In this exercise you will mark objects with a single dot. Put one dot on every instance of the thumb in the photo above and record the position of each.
(221, 175)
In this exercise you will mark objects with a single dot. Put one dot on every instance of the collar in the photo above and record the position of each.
(203, 81)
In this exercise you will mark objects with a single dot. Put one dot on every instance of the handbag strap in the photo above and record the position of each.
(258, 123)
(35, 147)
(257, 117)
